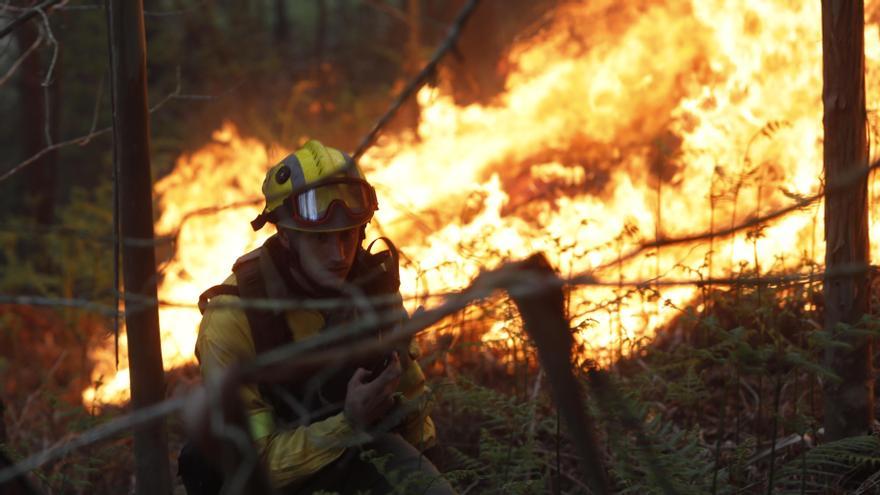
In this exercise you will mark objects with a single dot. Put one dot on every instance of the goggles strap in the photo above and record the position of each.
(259, 222)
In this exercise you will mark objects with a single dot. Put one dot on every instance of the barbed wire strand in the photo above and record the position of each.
(509, 277)
(480, 288)
(275, 359)
(408, 91)
(282, 359)
(526, 286)
(91, 436)
(756, 221)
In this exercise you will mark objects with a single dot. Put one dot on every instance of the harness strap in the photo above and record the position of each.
(395, 255)
(268, 328)
(257, 275)
(217, 290)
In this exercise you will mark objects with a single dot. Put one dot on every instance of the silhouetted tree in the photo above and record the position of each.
(848, 404)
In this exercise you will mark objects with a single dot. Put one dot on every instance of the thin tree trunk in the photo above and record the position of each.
(282, 29)
(413, 63)
(849, 404)
(39, 126)
(131, 150)
(320, 33)
(414, 43)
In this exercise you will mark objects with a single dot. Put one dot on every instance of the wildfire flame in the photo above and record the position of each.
(617, 124)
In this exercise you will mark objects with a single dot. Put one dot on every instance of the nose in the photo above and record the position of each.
(336, 248)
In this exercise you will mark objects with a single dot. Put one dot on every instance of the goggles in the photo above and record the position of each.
(316, 206)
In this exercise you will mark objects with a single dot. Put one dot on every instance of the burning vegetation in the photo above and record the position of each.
(617, 125)
(646, 148)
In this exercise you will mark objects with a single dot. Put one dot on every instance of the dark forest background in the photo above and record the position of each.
(279, 70)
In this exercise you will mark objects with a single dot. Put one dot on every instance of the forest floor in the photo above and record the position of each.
(726, 400)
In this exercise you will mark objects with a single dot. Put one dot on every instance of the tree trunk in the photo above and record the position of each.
(849, 405)
(282, 29)
(131, 150)
(410, 111)
(39, 126)
(414, 43)
(320, 34)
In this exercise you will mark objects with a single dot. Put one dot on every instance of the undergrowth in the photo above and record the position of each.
(727, 399)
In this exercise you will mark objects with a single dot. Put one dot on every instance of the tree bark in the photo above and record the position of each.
(413, 64)
(320, 34)
(282, 29)
(39, 126)
(849, 405)
(131, 150)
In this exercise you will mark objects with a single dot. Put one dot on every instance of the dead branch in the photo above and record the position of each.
(392, 11)
(545, 322)
(28, 15)
(755, 221)
(216, 421)
(85, 139)
(420, 79)
(99, 433)
(21, 59)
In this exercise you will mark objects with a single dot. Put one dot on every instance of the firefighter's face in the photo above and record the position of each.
(327, 257)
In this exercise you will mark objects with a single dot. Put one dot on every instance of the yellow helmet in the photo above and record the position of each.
(316, 189)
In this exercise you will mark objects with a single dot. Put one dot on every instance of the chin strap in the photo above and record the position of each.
(259, 222)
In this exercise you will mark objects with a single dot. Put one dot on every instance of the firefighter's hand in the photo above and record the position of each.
(367, 401)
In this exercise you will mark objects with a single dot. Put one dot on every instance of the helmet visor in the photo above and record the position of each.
(355, 197)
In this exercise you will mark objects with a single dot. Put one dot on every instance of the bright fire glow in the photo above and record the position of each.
(720, 99)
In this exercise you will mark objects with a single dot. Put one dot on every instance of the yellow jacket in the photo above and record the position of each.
(291, 455)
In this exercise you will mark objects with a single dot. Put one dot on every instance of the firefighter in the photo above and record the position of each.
(304, 431)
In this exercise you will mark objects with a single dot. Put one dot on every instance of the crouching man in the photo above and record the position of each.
(306, 429)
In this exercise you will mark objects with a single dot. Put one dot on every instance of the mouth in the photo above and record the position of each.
(341, 270)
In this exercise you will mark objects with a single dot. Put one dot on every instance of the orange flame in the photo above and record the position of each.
(719, 100)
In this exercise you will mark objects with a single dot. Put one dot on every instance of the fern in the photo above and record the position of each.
(650, 454)
(833, 467)
(508, 458)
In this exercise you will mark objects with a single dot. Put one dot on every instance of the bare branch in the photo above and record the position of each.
(21, 59)
(47, 81)
(748, 224)
(421, 78)
(389, 9)
(81, 140)
(61, 144)
(21, 300)
(27, 15)
(526, 286)
(96, 111)
(516, 282)
(99, 433)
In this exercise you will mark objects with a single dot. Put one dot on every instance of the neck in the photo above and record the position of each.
(305, 282)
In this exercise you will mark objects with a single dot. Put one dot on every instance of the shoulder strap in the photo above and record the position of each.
(392, 249)
(268, 328)
(217, 290)
(379, 273)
